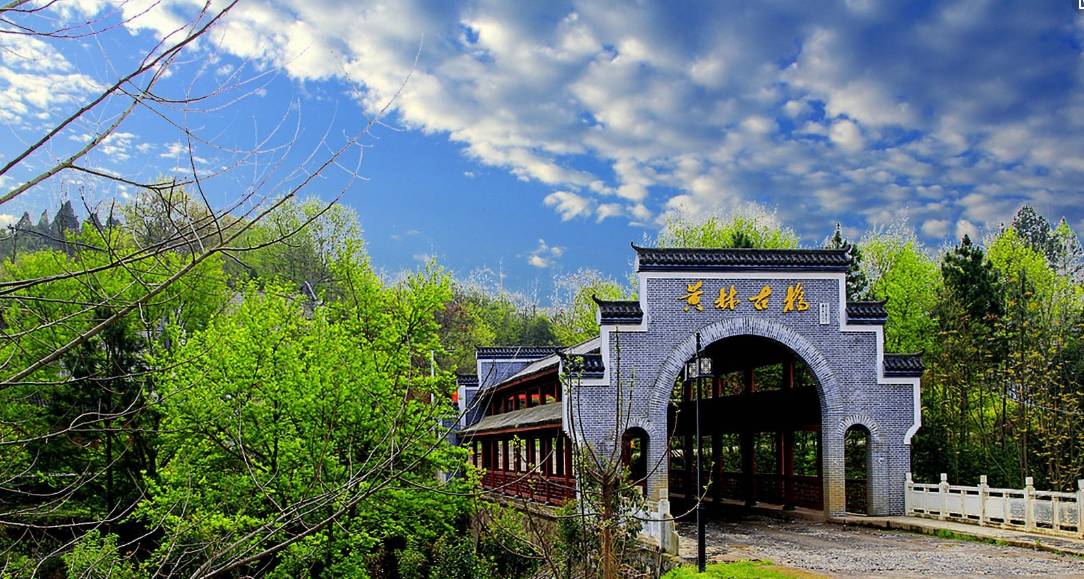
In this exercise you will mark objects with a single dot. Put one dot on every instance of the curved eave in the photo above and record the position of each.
(903, 366)
(619, 312)
(866, 313)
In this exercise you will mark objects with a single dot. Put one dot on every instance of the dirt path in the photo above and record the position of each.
(836, 550)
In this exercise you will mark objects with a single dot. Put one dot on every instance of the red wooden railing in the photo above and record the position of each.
(553, 490)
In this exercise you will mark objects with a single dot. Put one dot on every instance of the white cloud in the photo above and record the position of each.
(796, 108)
(846, 135)
(965, 227)
(636, 113)
(545, 255)
(607, 210)
(937, 228)
(7, 219)
(36, 80)
(569, 205)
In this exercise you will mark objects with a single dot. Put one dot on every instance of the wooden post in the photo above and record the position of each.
(1029, 503)
(984, 491)
(788, 470)
(559, 456)
(532, 459)
(569, 467)
(943, 488)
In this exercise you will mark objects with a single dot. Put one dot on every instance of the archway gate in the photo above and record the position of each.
(793, 298)
(759, 427)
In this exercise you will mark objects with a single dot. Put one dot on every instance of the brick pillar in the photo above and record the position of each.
(832, 470)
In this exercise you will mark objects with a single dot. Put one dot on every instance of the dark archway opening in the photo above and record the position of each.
(634, 444)
(856, 465)
(759, 427)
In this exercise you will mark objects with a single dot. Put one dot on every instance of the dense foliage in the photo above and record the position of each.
(274, 413)
(282, 409)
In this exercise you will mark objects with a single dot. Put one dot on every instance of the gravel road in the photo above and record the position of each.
(835, 550)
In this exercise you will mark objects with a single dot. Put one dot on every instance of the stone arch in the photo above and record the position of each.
(864, 421)
(827, 386)
(828, 393)
(877, 458)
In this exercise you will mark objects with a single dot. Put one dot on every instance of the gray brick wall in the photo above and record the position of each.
(644, 362)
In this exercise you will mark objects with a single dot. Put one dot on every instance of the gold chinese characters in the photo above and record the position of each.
(728, 299)
(692, 296)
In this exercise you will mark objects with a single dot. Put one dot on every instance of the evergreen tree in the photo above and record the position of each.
(857, 283)
(971, 280)
(1034, 229)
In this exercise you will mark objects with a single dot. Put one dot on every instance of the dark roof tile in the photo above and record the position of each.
(584, 366)
(619, 312)
(515, 352)
(866, 313)
(903, 365)
(694, 259)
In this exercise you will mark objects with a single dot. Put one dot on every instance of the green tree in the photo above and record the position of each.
(971, 280)
(961, 434)
(574, 317)
(903, 275)
(79, 437)
(315, 236)
(738, 231)
(482, 314)
(301, 441)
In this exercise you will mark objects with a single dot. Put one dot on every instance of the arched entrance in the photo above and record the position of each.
(857, 460)
(759, 429)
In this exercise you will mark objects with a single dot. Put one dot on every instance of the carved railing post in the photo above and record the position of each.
(908, 502)
(1080, 509)
(1029, 503)
(984, 491)
(942, 489)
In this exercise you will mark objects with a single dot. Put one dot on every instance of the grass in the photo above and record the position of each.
(736, 570)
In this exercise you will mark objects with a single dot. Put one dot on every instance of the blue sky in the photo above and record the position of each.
(539, 138)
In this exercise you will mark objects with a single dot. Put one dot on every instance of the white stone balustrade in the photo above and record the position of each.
(1027, 509)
